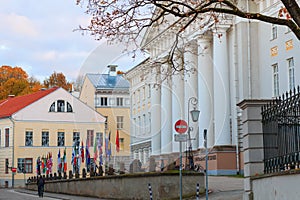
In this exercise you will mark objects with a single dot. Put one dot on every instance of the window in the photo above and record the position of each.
(274, 32)
(275, 80)
(45, 138)
(21, 165)
(6, 165)
(144, 123)
(103, 101)
(90, 137)
(60, 106)
(149, 91)
(99, 136)
(291, 69)
(60, 139)
(121, 141)
(119, 101)
(24, 165)
(7, 137)
(76, 138)
(52, 107)
(69, 107)
(28, 138)
(120, 122)
(149, 121)
(106, 123)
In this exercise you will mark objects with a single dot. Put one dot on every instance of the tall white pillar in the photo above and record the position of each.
(205, 90)
(177, 99)
(221, 88)
(190, 88)
(166, 111)
(155, 113)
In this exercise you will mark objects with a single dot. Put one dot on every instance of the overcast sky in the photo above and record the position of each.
(38, 36)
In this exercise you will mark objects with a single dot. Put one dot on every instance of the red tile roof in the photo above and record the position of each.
(13, 104)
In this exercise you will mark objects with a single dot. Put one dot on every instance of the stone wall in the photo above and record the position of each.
(276, 186)
(128, 186)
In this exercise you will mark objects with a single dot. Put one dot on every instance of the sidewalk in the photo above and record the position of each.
(220, 188)
(56, 195)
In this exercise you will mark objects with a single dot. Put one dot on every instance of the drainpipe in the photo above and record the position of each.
(234, 118)
(13, 153)
(249, 55)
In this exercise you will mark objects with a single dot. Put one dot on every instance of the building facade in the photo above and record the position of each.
(108, 94)
(39, 124)
(224, 64)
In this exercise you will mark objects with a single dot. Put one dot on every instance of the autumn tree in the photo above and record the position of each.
(119, 19)
(59, 80)
(13, 81)
(127, 20)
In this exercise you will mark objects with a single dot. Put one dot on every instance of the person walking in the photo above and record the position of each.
(40, 184)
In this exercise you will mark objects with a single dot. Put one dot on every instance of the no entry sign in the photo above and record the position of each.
(181, 126)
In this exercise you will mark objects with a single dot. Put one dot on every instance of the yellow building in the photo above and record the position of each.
(109, 95)
(34, 125)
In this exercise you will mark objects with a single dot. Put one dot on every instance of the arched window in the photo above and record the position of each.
(69, 107)
(52, 107)
(60, 105)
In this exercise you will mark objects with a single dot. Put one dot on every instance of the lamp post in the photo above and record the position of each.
(195, 116)
(206, 163)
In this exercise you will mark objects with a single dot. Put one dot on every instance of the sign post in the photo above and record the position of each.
(180, 127)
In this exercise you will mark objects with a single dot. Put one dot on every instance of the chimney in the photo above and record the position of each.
(112, 71)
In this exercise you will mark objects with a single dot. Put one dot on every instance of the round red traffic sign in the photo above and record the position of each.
(13, 169)
(181, 126)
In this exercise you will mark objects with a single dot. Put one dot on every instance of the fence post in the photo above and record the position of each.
(150, 191)
(197, 191)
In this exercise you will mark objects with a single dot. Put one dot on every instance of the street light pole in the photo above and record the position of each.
(206, 163)
(195, 116)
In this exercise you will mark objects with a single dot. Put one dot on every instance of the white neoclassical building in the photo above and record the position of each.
(225, 63)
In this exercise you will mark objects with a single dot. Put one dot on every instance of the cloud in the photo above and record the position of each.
(18, 25)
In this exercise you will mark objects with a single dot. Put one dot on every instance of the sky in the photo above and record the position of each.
(39, 37)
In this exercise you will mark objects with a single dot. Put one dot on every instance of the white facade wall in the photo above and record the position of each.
(230, 67)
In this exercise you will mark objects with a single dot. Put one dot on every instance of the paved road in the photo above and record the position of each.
(225, 188)
(221, 187)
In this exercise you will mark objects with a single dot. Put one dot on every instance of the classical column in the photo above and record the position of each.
(155, 112)
(166, 110)
(190, 88)
(177, 98)
(205, 90)
(221, 88)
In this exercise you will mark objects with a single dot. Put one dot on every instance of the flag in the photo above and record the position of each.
(43, 164)
(50, 162)
(38, 166)
(95, 150)
(82, 152)
(47, 164)
(59, 162)
(100, 152)
(87, 156)
(73, 160)
(117, 142)
(108, 146)
(65, 160)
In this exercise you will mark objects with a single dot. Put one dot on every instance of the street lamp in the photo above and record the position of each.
(206, 163)
(195, 116)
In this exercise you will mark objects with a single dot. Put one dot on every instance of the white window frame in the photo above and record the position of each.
(291, 73)
(275, 80)
(120, 122)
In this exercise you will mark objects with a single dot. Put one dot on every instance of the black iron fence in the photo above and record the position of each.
(281, 133)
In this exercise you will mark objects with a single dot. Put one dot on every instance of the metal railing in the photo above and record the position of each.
(281, 133)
